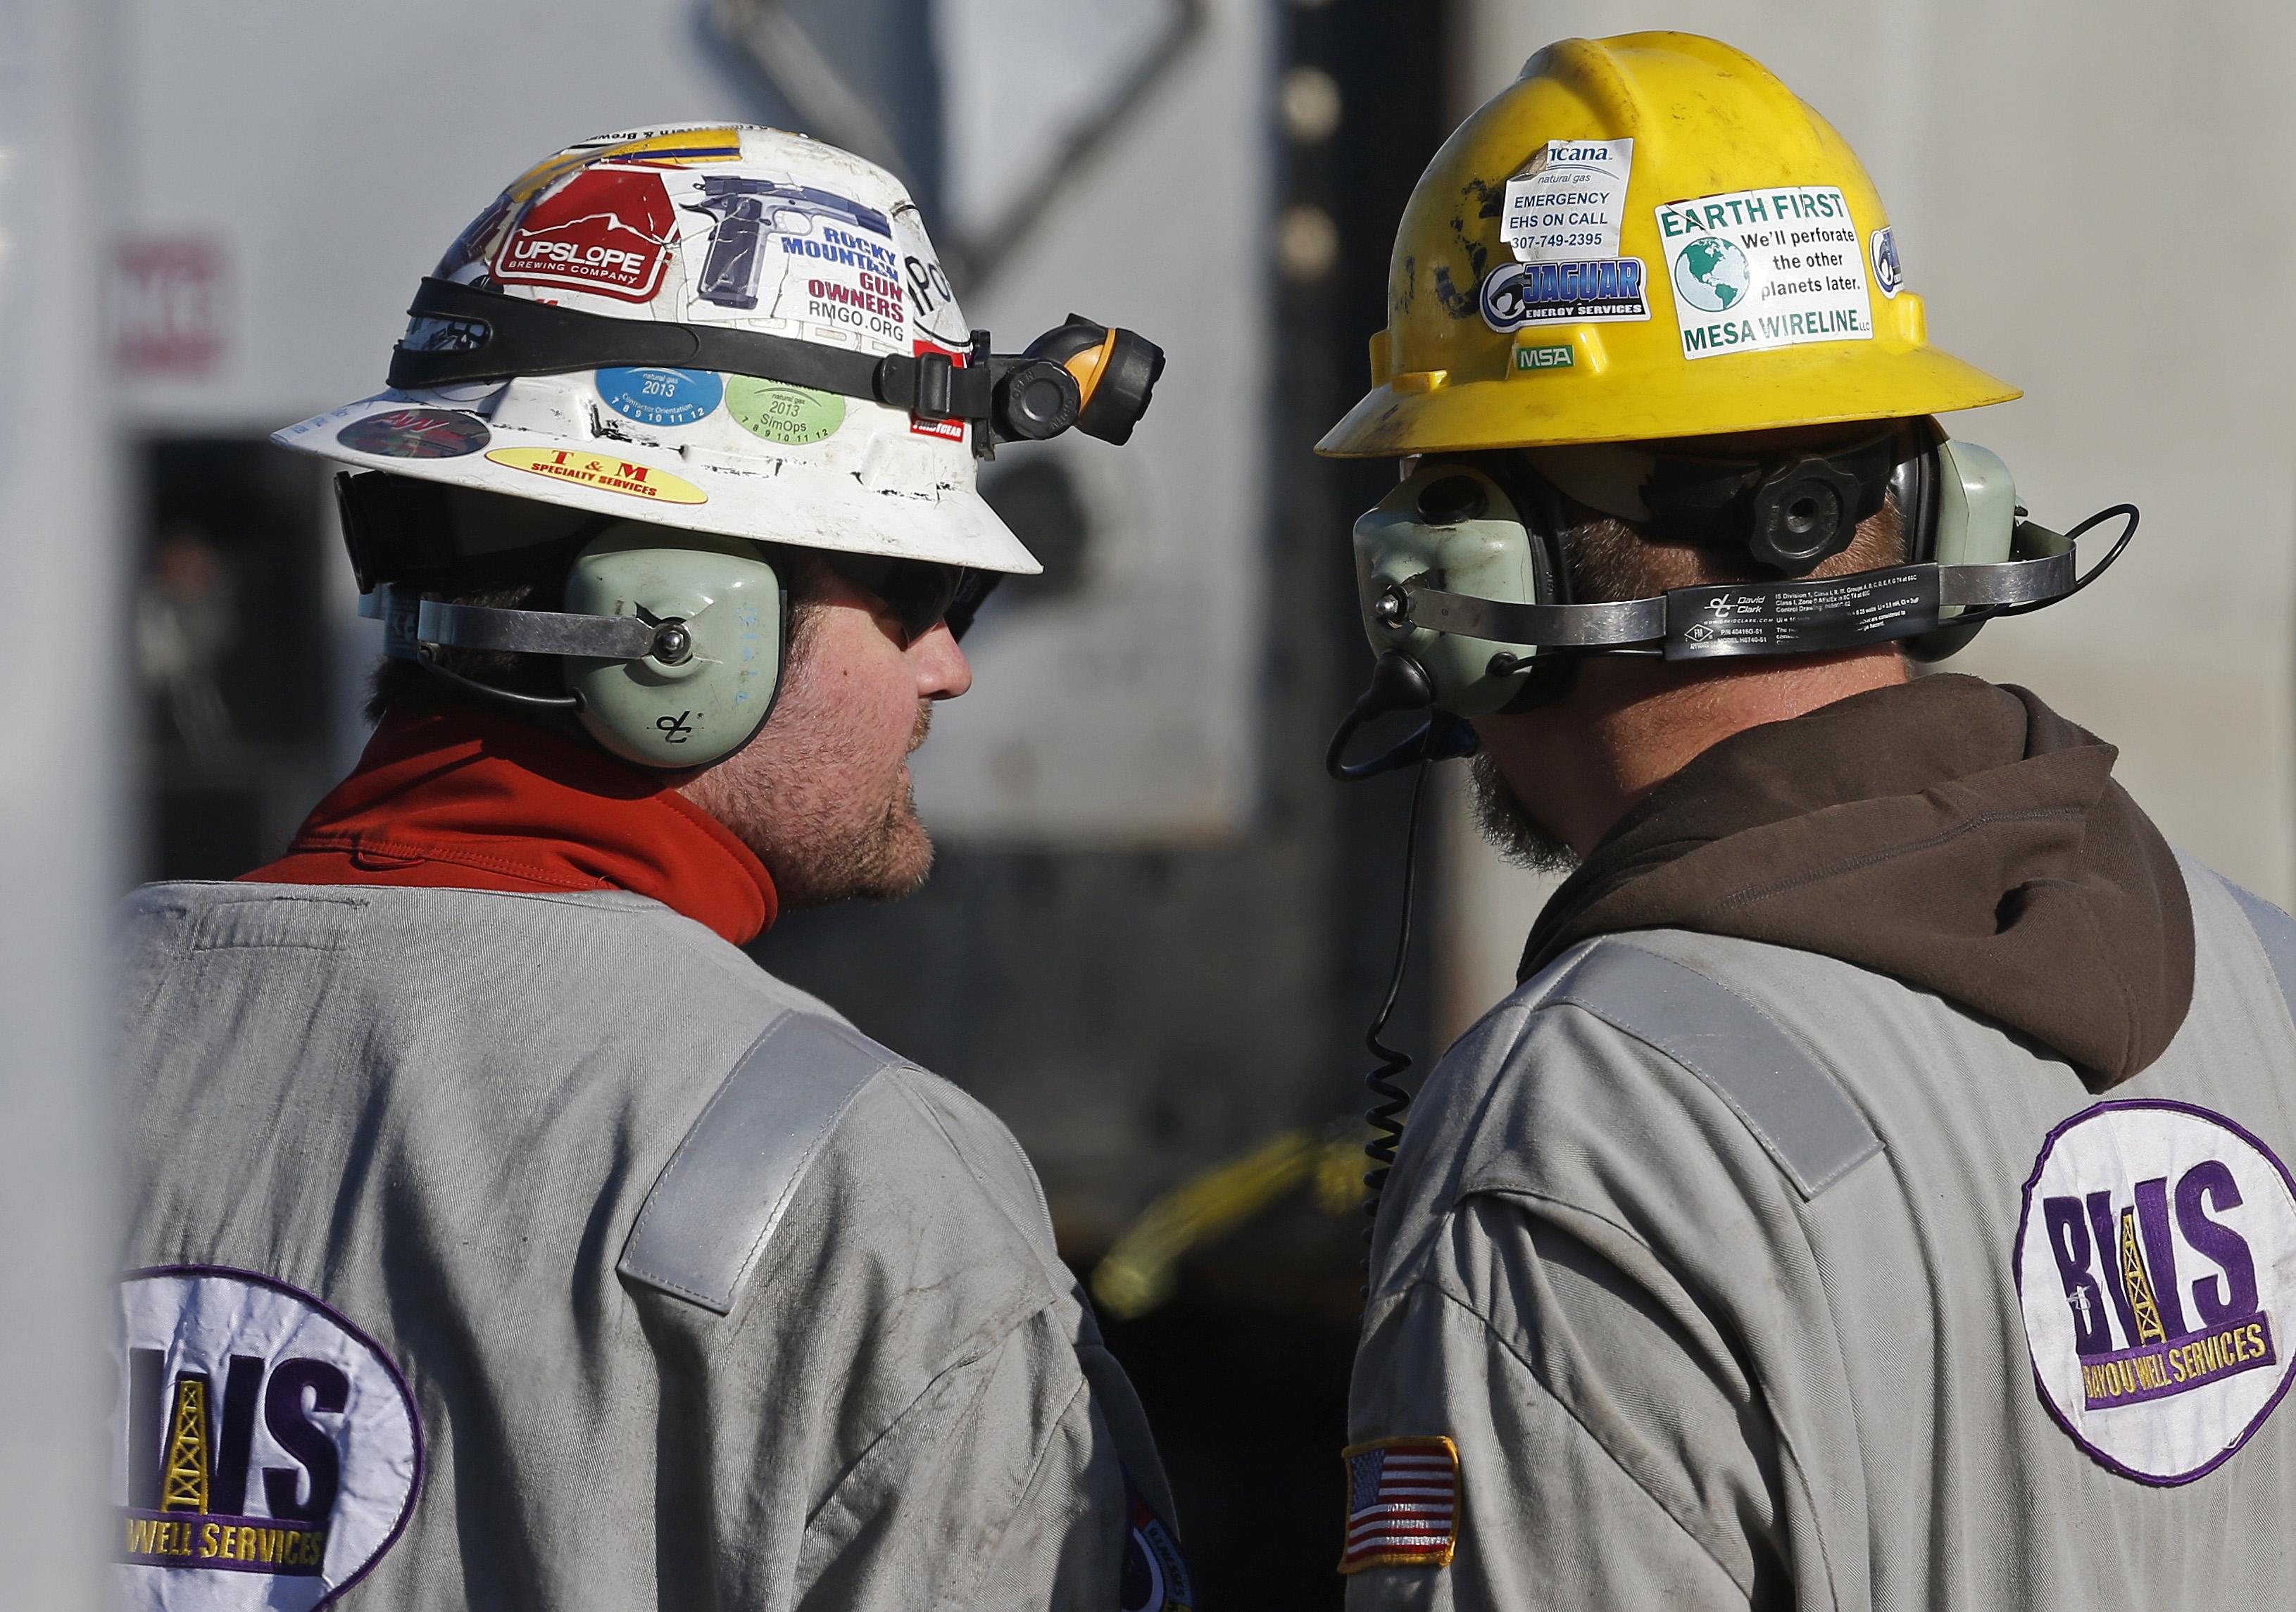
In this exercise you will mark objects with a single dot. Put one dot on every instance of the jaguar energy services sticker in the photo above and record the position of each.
(1751, 270)
(2156, 1266)
(1517, 294)
(1568, 202)
(267, 1452)
(1887, 274)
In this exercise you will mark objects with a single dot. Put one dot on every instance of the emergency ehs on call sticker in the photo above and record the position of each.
(1568, 202)
(1757, 269)
(2156, 1266)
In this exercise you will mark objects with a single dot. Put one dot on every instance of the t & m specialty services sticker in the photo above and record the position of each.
(2156, 1266)
(267, 1452)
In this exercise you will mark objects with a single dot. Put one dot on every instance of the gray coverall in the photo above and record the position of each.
(495, 1250)
(1740, 1276)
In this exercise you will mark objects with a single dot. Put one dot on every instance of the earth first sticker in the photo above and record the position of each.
(1752, 270)
(1567, 203)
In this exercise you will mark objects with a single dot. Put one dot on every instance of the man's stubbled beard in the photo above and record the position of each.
(1509, 826)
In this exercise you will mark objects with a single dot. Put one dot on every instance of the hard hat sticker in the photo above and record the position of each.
(1887, 274)
(760, 248)
(415, 434)
(659, 396)
(1751, 270)
(2156, 1268)
(606, 230)
(792, 416)
(1516, 294)
(266, 1452)
(603, 472)
(1568, 202)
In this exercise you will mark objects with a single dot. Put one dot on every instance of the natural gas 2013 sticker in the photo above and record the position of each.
(1887, 274)
(602, 471)
(606, 230)
(1752, 270)
(2156, 1267)
(1568, 202)
(415, 434)
(268, 1451)
(659, 396)
(778, 411)
(1517, 294)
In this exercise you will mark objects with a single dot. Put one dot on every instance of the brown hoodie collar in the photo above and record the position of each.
(1959, 836)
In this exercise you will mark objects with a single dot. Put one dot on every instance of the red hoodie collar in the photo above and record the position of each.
(461, 799)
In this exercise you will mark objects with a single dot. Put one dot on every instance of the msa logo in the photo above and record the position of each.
(2155, 1266)
(608, 230)
(269, 1452)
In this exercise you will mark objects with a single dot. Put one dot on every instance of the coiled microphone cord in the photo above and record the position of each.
(1385, 1117)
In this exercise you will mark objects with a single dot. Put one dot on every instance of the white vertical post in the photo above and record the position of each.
(61, 733)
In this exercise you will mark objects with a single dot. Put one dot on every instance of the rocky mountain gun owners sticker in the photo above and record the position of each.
(1757, 269)
(267, 1452)
(2156, 1266)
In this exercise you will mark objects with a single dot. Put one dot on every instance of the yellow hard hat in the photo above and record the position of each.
(1644, 237)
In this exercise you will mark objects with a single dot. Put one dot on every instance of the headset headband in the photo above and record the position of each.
(463, 333)
(1751, 618)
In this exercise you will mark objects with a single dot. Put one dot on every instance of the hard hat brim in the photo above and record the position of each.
(798, 505)
(1821, 384)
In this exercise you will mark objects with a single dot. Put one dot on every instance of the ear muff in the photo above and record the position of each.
(1454, 524)
(711, 682)
(1959, 503)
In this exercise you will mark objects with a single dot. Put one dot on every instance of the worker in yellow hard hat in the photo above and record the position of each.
(1873, 1195)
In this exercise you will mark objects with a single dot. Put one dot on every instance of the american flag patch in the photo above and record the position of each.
(1403, 1504)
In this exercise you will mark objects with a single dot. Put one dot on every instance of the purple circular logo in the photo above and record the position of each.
(2156, 1266)
(415, 434)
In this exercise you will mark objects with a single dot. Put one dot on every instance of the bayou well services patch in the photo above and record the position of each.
(2156, 1267)
(267, 1452)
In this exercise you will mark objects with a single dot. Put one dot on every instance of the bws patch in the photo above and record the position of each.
(2156, 1266)
(269, 1451)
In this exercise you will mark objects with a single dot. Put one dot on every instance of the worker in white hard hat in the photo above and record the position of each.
(501, 1235)
(1875, 1193)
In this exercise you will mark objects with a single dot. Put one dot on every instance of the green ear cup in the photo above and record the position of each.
(689, 710)
(1453, 525)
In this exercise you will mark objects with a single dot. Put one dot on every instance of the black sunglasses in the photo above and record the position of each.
(919, 594)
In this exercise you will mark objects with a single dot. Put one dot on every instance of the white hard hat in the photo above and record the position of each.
(715, 235)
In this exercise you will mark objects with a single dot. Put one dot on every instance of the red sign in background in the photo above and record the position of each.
(170, 311)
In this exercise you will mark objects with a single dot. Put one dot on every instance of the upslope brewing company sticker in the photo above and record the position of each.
(2156, 1267)
(1756, 269)
(268, 1451)
(1566, 205)
(606, 230)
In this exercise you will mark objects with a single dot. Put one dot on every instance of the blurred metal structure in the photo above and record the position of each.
(59, 794)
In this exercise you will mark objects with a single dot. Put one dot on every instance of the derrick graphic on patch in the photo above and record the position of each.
(1403, 1504)
(269, 1452)
(2155, 1264)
